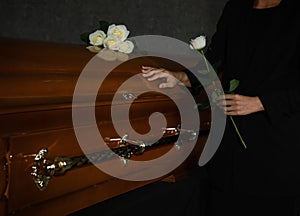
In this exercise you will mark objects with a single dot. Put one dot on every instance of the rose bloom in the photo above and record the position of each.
(112, 42)
(126, 47)
(198, 43)
(119, 31)
(96, 38)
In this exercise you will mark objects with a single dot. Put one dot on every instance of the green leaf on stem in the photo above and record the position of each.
(233, 85)
(103, 25)
(85, 37)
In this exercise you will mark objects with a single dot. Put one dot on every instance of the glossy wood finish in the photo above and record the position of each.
(37, 82)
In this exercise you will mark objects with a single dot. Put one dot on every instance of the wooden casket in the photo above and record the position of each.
(43, 166)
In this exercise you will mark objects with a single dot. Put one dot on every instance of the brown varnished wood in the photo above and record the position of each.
(36, 73)
(37, 82)
(64, 205)
(28, 57)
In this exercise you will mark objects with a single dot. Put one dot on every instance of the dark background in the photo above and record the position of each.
(64, 20)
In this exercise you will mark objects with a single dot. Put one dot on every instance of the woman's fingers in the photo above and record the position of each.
(228, 103)
(170, 82)
(235, 104)
(150, 71)
(158, 75)
(152, 74)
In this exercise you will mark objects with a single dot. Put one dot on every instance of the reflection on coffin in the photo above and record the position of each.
(44, 168)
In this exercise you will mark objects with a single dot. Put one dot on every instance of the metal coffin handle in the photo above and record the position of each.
(43, 168)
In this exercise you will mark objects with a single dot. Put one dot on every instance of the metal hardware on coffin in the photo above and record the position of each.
(44, 168)
(129, 96)
(178, 145)
(124, 161)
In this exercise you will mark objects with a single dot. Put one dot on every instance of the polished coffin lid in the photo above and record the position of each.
(37, 82)
(37, 76)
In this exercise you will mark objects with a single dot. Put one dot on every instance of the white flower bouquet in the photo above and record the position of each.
(110, 36)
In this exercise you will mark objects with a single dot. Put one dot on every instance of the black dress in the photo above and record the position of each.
(260, 48)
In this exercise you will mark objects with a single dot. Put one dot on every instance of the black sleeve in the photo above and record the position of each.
(215, 53)
(281, 103)
(283, 100)
(195, 83)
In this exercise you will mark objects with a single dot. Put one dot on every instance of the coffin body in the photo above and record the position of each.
(37, 83)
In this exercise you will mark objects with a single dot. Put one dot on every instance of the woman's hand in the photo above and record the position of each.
(171, 79)
(235, 104)
(160, 73)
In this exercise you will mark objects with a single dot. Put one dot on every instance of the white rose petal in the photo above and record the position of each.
(119, 31)
(96, 38)
(93, 49)
(112, 42)
(126, 47)
(198, 43)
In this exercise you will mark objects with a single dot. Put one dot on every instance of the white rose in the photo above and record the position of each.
(119, 31)
(198, 43)
(112, 42)
(96, 38)
(126, 47)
